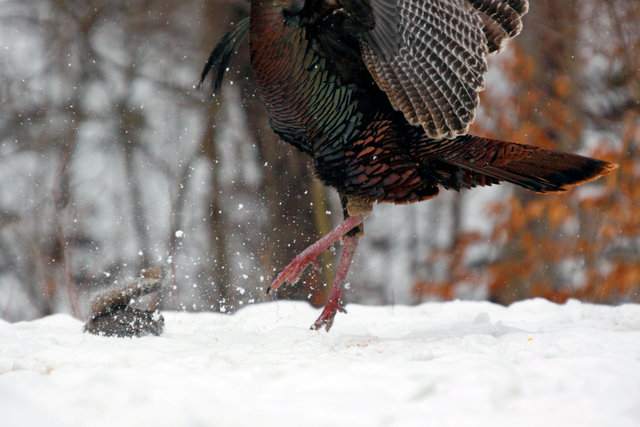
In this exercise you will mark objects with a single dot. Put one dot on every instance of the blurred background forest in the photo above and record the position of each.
(112, 161)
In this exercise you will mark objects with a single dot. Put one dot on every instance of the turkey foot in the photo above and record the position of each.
(292, 271)
(333, 305)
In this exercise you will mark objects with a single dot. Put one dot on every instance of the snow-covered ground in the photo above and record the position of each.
(438, 364)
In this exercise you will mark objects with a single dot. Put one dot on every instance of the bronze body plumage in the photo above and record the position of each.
(380, 93)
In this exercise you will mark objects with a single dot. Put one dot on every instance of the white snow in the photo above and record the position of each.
(534, 363)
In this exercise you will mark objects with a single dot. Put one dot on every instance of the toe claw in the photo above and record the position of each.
(291, 273)
(332, 307)
(318, 324)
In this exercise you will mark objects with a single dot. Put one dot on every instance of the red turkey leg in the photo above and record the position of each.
(333, 302)
(291, 272)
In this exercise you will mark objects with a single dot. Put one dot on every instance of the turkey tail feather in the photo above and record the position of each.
(221, 54)
(534, 168)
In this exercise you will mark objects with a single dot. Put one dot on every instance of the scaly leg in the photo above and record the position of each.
(350, 243)
(292, 271)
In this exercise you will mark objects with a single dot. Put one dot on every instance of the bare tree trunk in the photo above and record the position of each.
(128, 136)
(215, 291)
(218, 270)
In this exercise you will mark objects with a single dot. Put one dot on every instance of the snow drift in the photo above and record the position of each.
(443, 364)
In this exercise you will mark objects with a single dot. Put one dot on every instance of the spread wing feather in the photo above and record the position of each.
(429, 56)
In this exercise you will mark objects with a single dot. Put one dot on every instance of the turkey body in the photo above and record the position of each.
(380, 94)
(323, 100)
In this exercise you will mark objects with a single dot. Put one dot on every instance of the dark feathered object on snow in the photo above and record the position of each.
(113, 314)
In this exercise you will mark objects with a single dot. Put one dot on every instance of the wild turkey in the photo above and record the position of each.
(380, 93)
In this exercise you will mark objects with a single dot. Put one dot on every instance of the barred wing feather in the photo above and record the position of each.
(429, 56)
